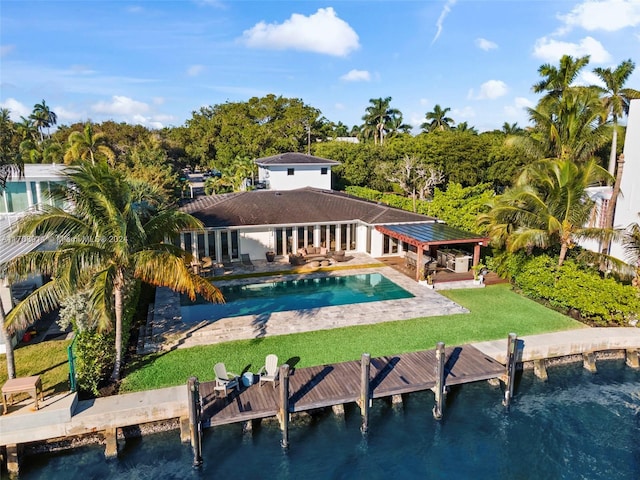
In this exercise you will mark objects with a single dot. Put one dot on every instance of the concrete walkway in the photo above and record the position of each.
(64, 415)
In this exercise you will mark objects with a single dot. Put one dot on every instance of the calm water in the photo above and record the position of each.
(305, 294)
(575, 426)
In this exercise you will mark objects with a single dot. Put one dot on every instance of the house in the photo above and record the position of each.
(22, 195)
(628, 202)
(284, 221)
(289, 171)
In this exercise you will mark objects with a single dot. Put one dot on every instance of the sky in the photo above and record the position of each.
(155, 62)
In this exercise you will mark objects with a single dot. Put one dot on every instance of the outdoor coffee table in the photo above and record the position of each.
(31, 385)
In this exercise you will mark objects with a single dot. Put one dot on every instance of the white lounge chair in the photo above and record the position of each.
(269, 372)
(224, 380)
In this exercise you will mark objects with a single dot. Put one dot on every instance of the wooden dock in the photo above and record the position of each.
(328, 385)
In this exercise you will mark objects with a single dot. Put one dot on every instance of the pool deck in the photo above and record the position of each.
(167, 329)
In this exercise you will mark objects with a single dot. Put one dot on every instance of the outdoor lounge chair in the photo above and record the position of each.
(224, 380)
(246, 261)
(269, 373)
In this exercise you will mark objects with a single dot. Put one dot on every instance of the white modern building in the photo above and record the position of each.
(290, 171)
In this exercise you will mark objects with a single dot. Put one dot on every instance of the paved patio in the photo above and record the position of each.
(167, 330)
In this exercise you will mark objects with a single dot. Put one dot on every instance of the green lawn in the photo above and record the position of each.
(495, 311)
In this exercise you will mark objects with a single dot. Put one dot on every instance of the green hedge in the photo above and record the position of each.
(572, 288)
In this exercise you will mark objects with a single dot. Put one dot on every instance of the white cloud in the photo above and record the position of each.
(158, 100)
(587, 77)
(195, 70)
(322, 32)
(551, 50)
(81, 70)
(607, 15)
(17, 109)
(6, 50)
(517, 109)
(66, 116)
(135, 9)
(120, 105)
(425, 102)
(356, 76)
(489, 90)
(486, 45)
(463, 113)
(445, 11)
(339, 106)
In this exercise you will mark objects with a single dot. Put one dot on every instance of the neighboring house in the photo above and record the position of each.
(628, 204)
(23, 195)
(282, 222)
(289, 171)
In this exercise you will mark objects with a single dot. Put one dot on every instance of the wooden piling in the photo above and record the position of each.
(283, 411)
(632, 358)
(111, 443)
(589, 361)
(439, 387)
(510, 376)
(338, 409)
(13, 459)
(540, 369)
(365, 393)
(185, 433)
(195, 426)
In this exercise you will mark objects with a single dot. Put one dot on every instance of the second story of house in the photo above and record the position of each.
(290, 171)
(27, 192)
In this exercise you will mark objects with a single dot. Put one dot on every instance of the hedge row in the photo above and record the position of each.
(571, 287)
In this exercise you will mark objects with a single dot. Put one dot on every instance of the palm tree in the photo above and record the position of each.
(396, 126)
(43, 117)
(464, 127)
(557, 79)
(88, 146)
(548, 206)
(567, 127)
(108, 241)
(26, 129)
(616, 99)
(511, 128)
(437, 120)
(378, 117)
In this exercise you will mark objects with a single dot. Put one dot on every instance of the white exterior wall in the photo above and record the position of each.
(256, 242)
(377, 243)
(628, 205)
(304, 176)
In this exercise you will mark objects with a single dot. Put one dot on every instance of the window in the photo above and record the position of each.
(290, 171)
(323, 170)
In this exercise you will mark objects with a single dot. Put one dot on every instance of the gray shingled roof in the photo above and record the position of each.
(302, 206)
(294, 159)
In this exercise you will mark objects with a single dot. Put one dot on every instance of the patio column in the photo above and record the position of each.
(476, 254)
(419, 262)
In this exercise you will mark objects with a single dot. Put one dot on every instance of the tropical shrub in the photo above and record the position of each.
(576, 289)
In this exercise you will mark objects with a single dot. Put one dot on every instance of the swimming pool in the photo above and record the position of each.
(303, 294)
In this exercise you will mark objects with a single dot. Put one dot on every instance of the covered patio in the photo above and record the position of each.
(428, 237)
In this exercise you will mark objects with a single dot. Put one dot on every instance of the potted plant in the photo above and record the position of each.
(479, 271)
(271, 256)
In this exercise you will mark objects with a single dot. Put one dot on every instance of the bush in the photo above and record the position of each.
(602, 301)
(95, 356)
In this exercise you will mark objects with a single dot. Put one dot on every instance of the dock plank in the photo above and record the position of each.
(327, 385)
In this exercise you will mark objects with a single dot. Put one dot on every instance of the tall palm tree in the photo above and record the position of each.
(616, 99)
(378, 116)
(397, 126)
(437, 120)
(557, 79)
(548, 206)
(43, 117)
(87, 145)
(511, 128)
(567, 127)
(108, 240)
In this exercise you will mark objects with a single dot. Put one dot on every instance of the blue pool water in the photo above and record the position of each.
(577, 425)
(304, 294)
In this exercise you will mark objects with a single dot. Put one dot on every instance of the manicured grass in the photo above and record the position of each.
(47, 359)
(495, 312)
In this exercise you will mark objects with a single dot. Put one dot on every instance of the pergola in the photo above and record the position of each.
(433, 234)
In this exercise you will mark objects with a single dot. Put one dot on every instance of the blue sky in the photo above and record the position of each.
(155, 62)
